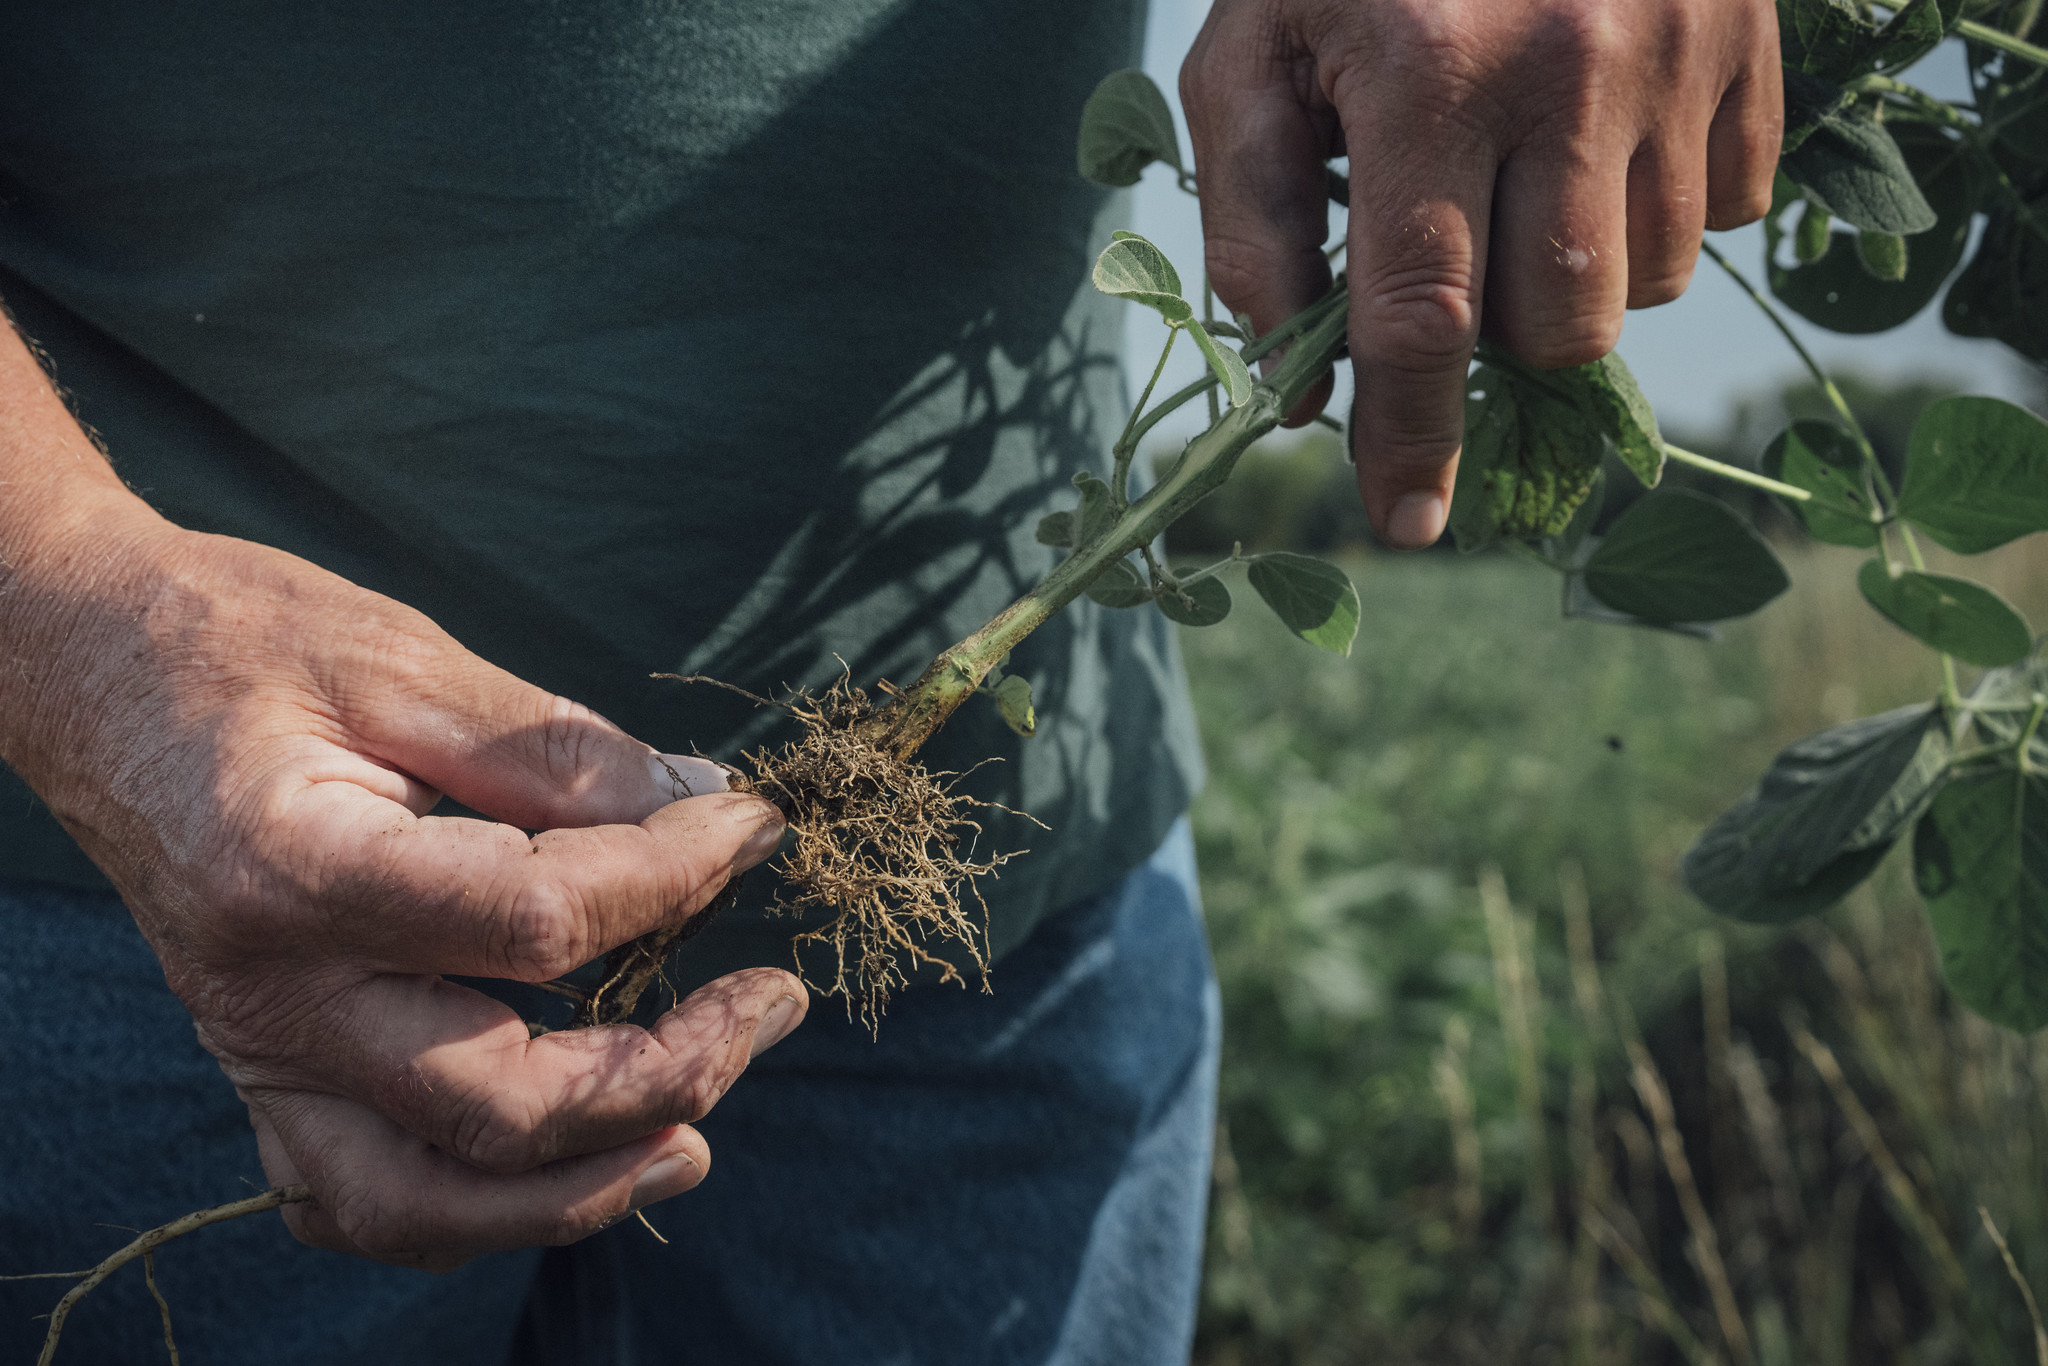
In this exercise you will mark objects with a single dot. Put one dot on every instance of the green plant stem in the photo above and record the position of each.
(1209, 321)
(1202, 468)
(2004, 42)
(2027, 735)
(1881, 484)
(1253, 352)
(1820, 376)
(1736, 474)
(1127, 444)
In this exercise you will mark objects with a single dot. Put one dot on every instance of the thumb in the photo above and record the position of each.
(521, 754)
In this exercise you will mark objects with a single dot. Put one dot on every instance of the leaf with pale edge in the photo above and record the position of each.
(1132, 268)
(1125, 127)
(1980, 857)
(1955, 616)
(1534, 444)
(1013, 699)
(1625, 416)
(1821, 817)
(1851, 166)
(1120, 586)
(1822, 459)
(1201, 603)
(1681, 556)
(1056, 529)
(1228, 365)
(1976, 473)
(1833, 288)
(1313, 599)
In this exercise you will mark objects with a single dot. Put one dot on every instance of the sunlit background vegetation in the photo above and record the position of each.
(1495, 1088)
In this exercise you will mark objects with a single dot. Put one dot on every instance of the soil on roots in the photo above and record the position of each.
(883, 843)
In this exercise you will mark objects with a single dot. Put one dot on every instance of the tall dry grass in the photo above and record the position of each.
(1496, 1091)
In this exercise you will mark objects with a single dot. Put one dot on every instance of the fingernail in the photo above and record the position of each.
(672, 1175)
(759, 845)
(677, 776)
(1417, 519)
(774, 1027)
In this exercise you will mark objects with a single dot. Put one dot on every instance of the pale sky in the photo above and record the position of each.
(1693, 357)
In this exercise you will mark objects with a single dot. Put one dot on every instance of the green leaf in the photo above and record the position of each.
(1625, 416)
(2002, 700)
(1976, 473)
(1821, 817)
(1681, 556)
(1056, 529)
(1315, 600)
(2003, 292)
(1121, 586)
(1883, 255)
(1822, 459)
(1836, 290)
(1814, 235)
(1532, 448)
(1483, 501)
(1838, 41)
(1851, 166)
(1095, 515)
(1228, 365)
(1125, 127)
(1201, 603)
(1013, 699)
(1953, 615)
(1132, 268)
(1581, 605)
(1980, 858)
(1565, 545)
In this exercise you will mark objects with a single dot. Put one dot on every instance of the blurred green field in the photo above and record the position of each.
(1436, 1145)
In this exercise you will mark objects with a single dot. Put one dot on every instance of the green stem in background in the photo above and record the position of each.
(1737, 474)
(2027, 735)
(1201, 469)
(1881, 483)
(1253, 352)
(1127, 443)
(1209, 320)
(2004, 42)
(1820, 376)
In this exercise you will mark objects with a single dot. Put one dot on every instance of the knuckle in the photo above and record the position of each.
(570, 735)
(388, 1230)
(1571, 341)
(1661, 287)
(490, 1135)
(702, 1090)
(540, 934)
(1741, 206)
(1584, 39)
(1423, 319)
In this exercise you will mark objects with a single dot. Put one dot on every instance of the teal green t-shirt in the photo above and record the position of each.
(619, 336)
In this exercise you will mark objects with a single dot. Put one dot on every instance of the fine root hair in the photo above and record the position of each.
(885, 844)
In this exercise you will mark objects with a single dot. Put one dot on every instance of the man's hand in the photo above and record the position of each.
(248, 746)
(1535, 164)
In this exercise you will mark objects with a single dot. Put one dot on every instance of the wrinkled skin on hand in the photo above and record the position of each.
(1530, 167)
(249, 747)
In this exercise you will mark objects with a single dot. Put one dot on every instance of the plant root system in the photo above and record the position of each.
(144, 1246)
(885, 844)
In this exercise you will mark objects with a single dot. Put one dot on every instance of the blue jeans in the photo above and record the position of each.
(1010, 1178)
